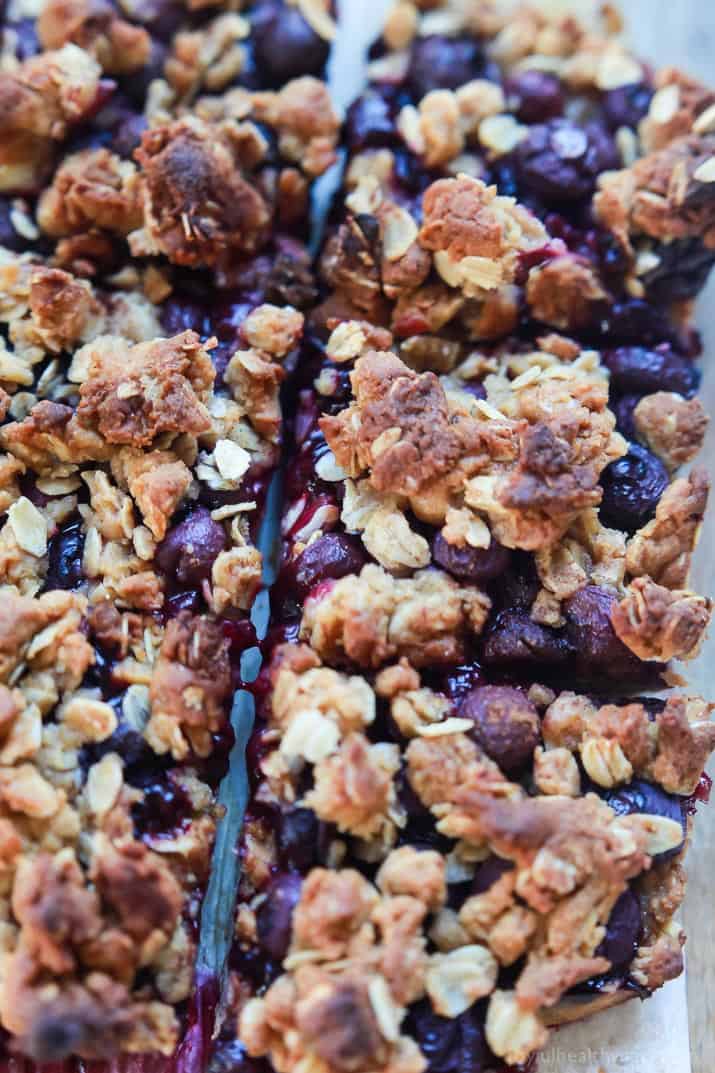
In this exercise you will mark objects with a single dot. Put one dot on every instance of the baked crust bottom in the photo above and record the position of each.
(576, 1008)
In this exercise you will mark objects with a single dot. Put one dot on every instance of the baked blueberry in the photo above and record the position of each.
(632, 488)
(562, 160)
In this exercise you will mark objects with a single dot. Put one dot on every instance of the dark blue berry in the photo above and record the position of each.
(439, 62)
(458, 681)
(65, 557)
(684, 266)
(298, 839)
(166, 807)
(651, 800)
(627, 105)
(129, 134)
(535, 96)
(9, 237)
(477, 565)
(632, 487)
(370, 122)
(489, 872)
(329, 558)
(450, 1045)
(188, 551)
(514, 641)
(560, 160)
(623, 408)
(274, 919)
(636, 321)
(622, 932)
(505, 724)
(285, 45)
(644, 371)
(598, 652)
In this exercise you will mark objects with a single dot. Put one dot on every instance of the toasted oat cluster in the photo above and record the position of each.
(156, 163)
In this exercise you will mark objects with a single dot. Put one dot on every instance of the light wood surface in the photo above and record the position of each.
(682, 32)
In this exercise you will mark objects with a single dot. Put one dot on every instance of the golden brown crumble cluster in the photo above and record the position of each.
(196, 204)
(661, 196)
(360, 953)
(459, 266)
(667, 194)
(522, 467)
(476, 257)
(199, 192)
(373, 617)
(95, 26)
(40, 101)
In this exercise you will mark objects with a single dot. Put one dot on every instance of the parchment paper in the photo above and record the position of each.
(639, 1037)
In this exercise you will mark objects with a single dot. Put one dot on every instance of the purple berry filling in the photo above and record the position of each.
(275, 915)
(190, 548)
(639, 369)
(488, 873)
(599, 654)
(285, 45)
(438, 62)
(622, 932)
(562, 161)
(165, 809)
(370, 122)
(505, 725)
(534, 96)
(477, 565)
(626, 105)
(327, 559)
(632, 488)
(515, 642)
(65, 551)
(451, 1045)
(648, 798)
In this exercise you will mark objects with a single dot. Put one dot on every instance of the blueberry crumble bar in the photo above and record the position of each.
(614, 158)
(435, 875)
(465, 609)
(156, 167)
(469, 813)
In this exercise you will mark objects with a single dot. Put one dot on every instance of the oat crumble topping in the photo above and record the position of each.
(487, 537)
